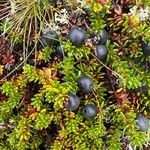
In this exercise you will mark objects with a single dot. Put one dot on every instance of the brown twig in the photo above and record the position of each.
(113, 72)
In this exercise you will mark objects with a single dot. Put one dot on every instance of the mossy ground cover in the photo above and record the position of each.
(74, 75)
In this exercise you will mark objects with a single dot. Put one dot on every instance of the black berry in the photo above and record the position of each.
(43, 42)
(60, 52)
(77, 36)
(50, 38)
(142, 123)
(85, 84)
(73, 102)
(89, 111)
(103, 36)
(101, 52)
(146, 50)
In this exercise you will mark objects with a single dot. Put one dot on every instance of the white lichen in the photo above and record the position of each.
(82, 3)
(142, 13)
(50, 26)
(62, 16)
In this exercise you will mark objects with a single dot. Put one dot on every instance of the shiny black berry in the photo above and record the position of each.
(146, 50)
(103, 36)
(73, 102)
(142, 123)
(50, 38)
(85, 84)
(101, 52)
(59, 51)
(89, 111)
(43, 42)
(77, 36)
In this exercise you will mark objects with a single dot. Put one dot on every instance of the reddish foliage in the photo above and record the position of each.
(101, 1)
(8, 59)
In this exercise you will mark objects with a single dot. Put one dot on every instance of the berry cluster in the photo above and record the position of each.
(85, 84)
(77, 37)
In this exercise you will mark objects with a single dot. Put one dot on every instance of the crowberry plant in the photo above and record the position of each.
(78, 76)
